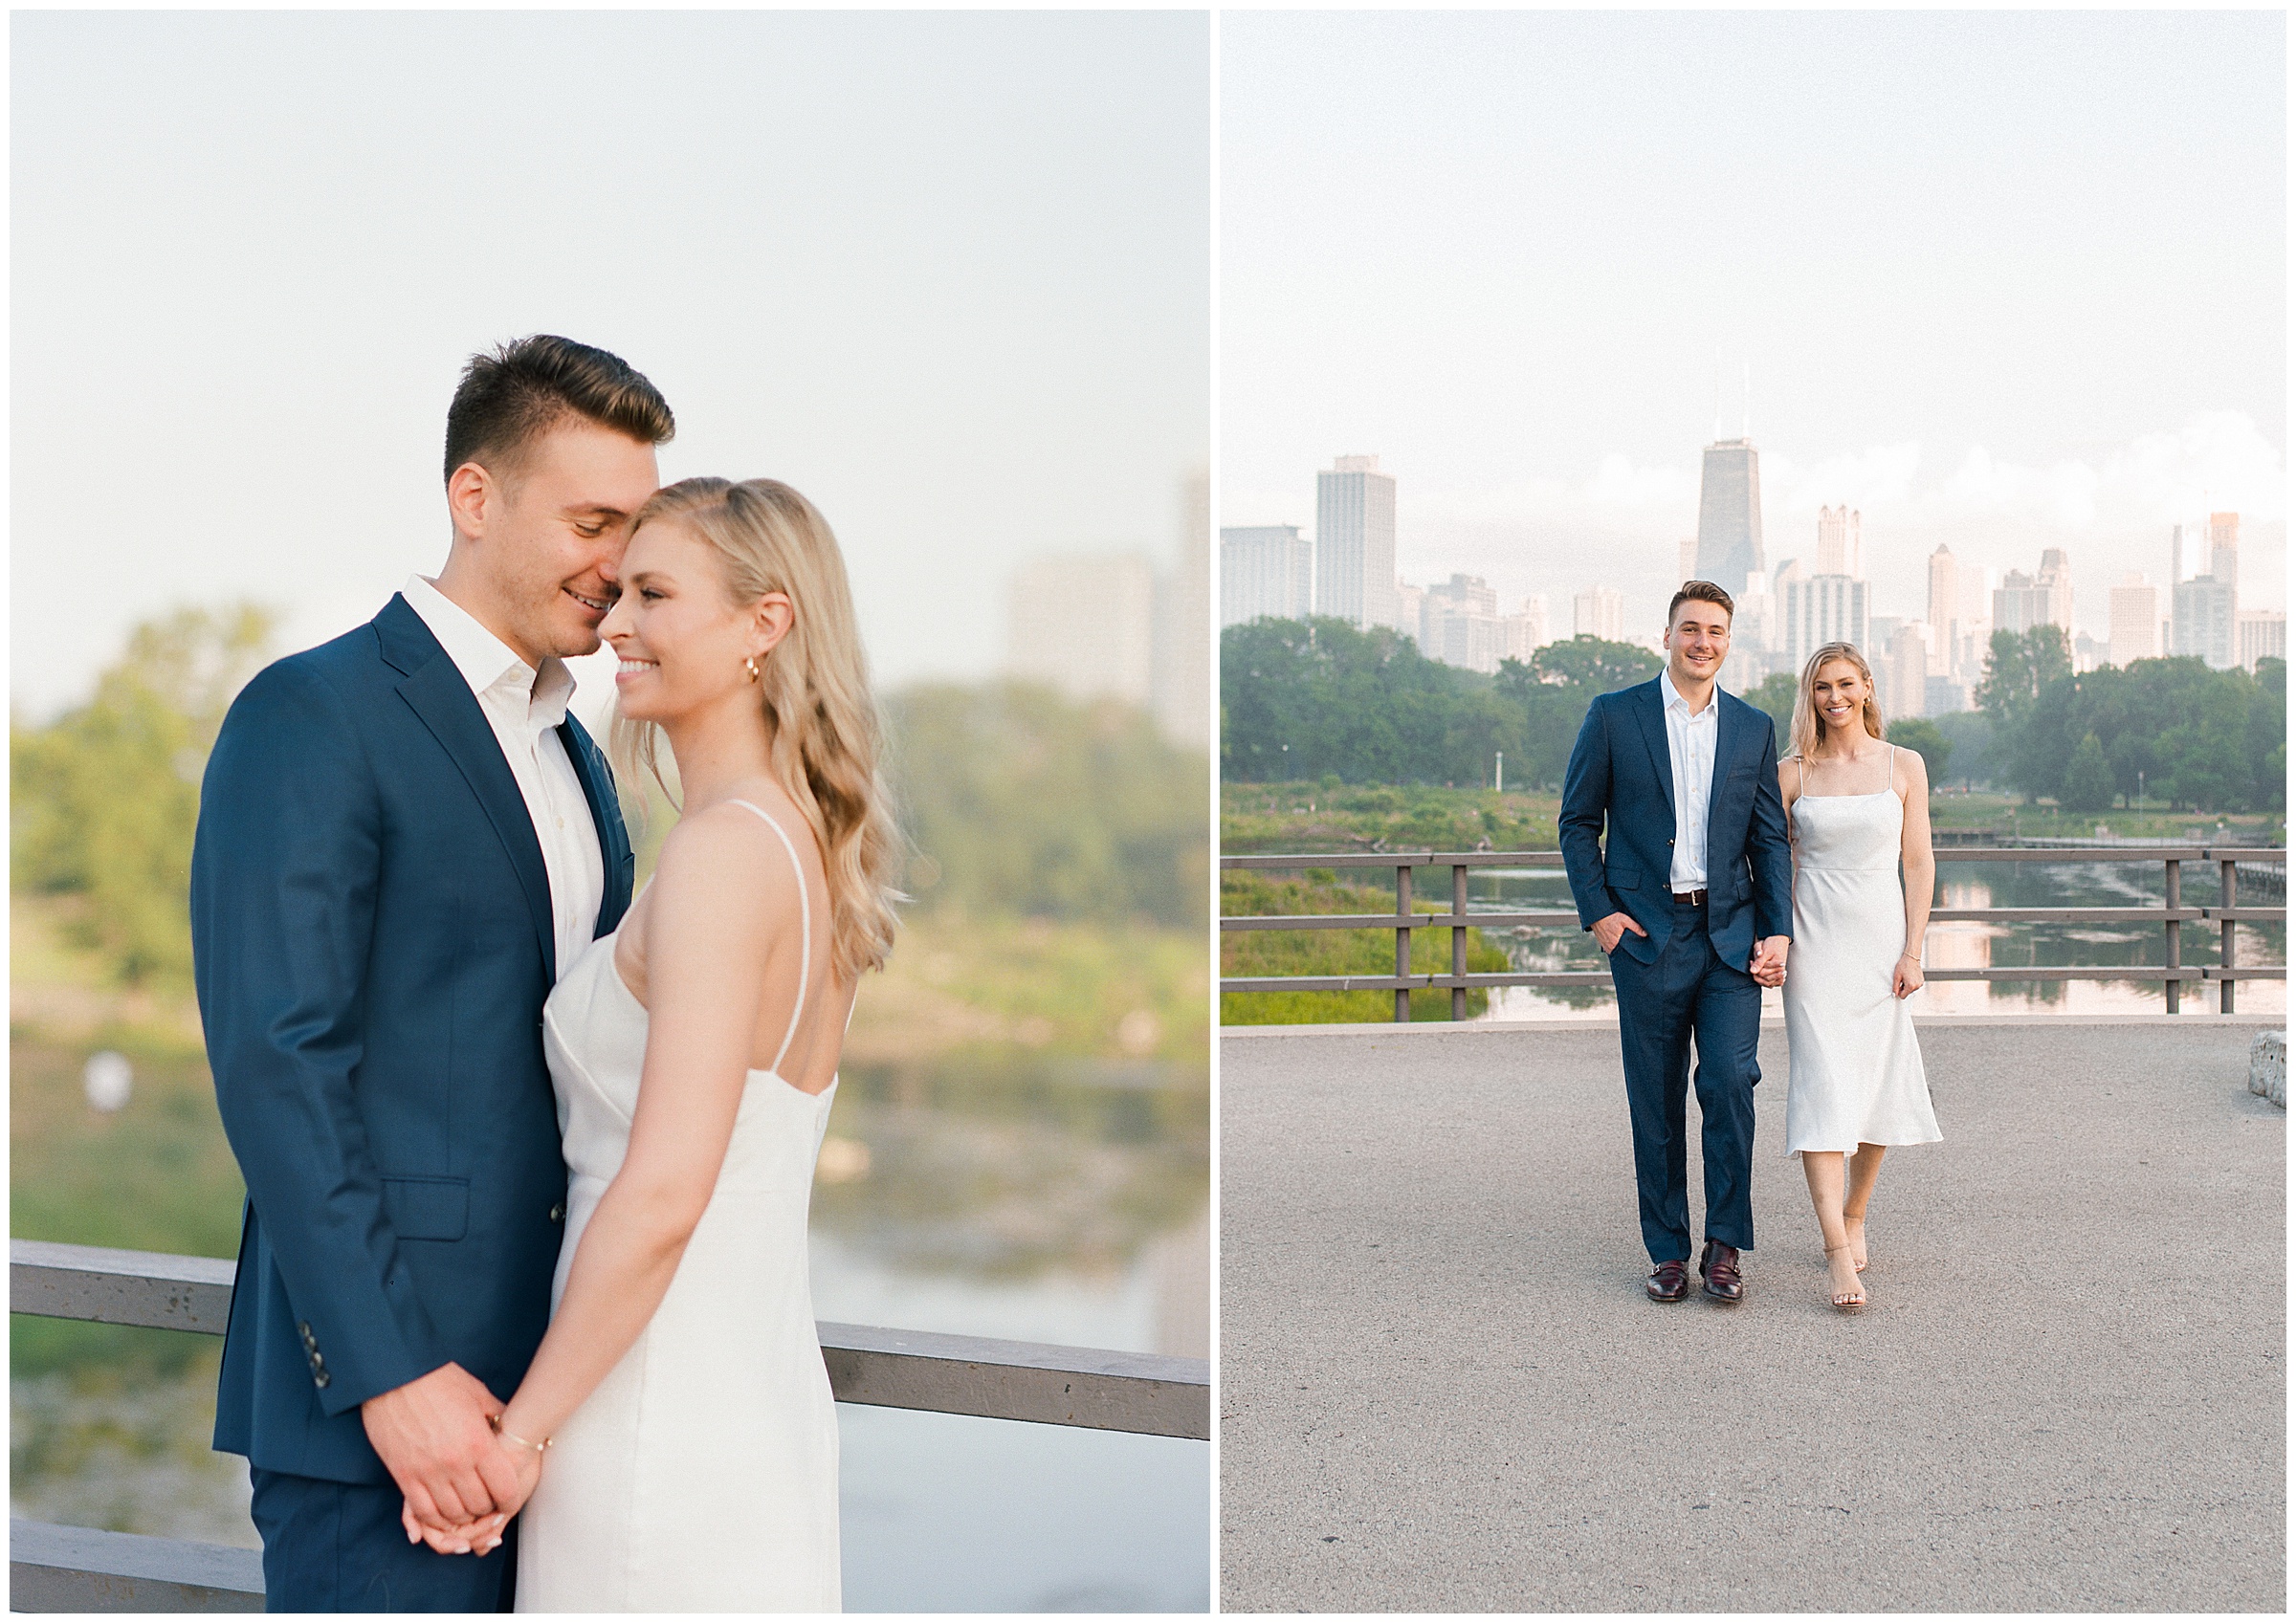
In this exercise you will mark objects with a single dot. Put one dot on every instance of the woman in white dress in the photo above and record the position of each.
(1856, 808)
(676, 1431)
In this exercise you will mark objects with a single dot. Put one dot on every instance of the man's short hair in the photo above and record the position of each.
(511, 398)
(1700, 591)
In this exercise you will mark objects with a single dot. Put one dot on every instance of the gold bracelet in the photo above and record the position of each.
(495, 1421)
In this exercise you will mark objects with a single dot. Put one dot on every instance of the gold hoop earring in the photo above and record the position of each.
(750, 665)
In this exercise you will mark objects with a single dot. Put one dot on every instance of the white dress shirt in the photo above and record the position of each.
(1690, 742)
(525, 708)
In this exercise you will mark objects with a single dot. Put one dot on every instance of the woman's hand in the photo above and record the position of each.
(483, 1536)
(1907, 979)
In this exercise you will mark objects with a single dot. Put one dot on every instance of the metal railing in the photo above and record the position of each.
(84, 1569)
(2171, 915)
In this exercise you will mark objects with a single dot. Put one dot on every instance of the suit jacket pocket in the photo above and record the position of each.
(1623, 876)
(428, 1208)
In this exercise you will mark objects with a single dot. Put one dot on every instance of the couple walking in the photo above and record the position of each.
(528, 1160)
(1719, 857)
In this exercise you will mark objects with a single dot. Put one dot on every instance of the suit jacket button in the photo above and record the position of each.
(557, 1212)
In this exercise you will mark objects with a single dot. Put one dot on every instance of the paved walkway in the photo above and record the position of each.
(1443, 1390)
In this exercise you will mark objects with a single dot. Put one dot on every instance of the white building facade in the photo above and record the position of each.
(1354, 543)
(1267, 572)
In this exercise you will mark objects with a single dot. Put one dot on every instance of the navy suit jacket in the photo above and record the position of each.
(372, 942)
(1622, 774)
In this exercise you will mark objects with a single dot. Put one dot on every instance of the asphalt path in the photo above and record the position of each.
(1443, 1388)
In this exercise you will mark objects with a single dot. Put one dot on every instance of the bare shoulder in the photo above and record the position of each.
(1913, 772)
(722, 862)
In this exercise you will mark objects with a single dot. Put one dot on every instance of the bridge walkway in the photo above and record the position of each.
(1443, 1388)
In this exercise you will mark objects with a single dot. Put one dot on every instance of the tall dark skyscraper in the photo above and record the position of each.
(1730, 515)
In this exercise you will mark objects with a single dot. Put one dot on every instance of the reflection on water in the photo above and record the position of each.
(1951, 944)
(1058, 1203)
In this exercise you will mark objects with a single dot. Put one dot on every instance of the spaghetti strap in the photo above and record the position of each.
(804, 957)
(1802, 777)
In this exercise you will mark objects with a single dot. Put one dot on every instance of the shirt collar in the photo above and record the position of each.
(486, 662)
(1675, 701)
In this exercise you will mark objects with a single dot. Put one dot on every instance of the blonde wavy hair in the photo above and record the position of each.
(826, 731)
(1805, 704)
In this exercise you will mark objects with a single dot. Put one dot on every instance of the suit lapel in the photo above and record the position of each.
(1727, 729)
(605, 813)
(435, 692)
(1651, 712)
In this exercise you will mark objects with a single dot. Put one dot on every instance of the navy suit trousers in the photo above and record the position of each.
(337, 1546)
(1690, 993)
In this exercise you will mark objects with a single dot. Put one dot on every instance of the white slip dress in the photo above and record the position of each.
(701, 1475)
(1854, 1068)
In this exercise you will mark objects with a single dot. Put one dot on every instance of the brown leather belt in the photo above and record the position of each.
(1690, 898)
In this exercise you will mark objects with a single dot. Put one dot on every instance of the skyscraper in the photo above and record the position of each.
(2205, 622)
(1840, 550)
(2135, 632)
(1266, 570)
(1355, 543)
(1945, 611)
(2263, 634)
(2056, 581)
(2224, 548)
(1600, 613)
(1817, 609)
(1730, 515)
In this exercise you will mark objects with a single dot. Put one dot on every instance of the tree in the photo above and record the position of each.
(1594, 666)
(1774, 693)
(106, 799)
(1925, 740)
(1020, 800)
(1969, 733)
(2017, 667)
(2088, 785)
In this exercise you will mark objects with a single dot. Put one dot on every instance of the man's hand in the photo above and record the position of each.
(1769, 965)
(1610, 927)
(434, 1439)
(483, 1536)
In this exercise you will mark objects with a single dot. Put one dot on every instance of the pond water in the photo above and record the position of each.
(1953, 945)
(1063, 1207)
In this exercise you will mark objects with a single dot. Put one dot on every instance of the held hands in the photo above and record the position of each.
(1768, 966)
(1907, 979)
(482, 1536)
(1610, 928)
(436, 1440)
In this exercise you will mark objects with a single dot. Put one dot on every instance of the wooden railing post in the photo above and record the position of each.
(1459, 941)
(2174, 988)
(1402, 943)
(2232, 877)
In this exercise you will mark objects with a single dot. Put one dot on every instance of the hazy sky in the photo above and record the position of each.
(2004, 281)
(945, 273)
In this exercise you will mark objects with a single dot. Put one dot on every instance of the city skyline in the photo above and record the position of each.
(2052, 317)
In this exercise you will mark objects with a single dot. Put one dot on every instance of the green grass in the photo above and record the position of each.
(2008, 814)
(1334, 953)
(1269, 818)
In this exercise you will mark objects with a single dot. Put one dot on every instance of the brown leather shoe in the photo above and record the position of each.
(1670, 1282)
(1718, 1266)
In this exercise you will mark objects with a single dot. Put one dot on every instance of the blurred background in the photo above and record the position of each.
(944, 273)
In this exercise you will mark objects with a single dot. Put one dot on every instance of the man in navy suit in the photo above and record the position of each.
(1691, 897)
(404, 840)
